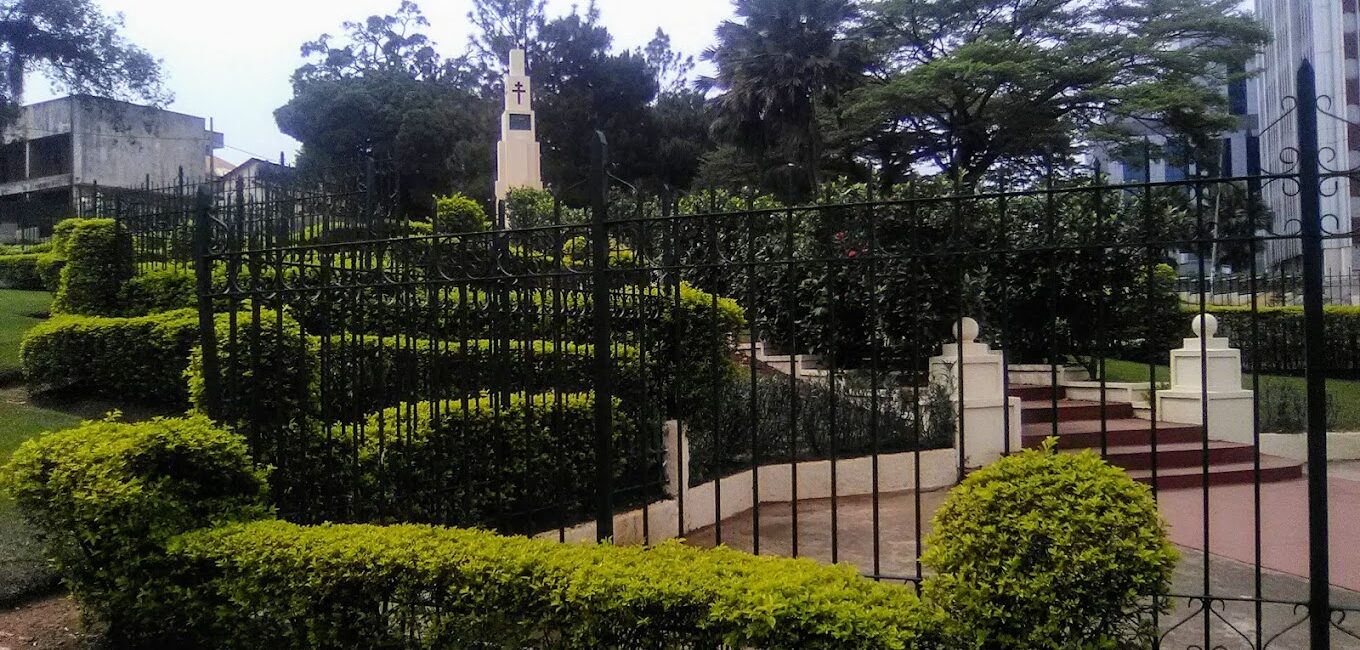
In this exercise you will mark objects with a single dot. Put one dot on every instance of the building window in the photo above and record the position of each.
(49, 156)
(12, 162)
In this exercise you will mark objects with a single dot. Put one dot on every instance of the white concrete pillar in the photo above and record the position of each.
(677, 450)
(1208, 367)
(976, 372)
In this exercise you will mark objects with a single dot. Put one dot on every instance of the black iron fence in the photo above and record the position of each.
(798, 380)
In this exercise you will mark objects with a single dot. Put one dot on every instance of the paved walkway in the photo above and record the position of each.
(1231, 562)
(1284, 525)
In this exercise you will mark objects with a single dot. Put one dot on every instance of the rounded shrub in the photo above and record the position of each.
(1049, 550)
(458, 213)
(106, 498)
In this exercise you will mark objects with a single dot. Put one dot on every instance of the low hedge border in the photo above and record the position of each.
(31, 271)
(361, 586)
(525, 464)
(368, 373)
(160, 528)
(139, 360)
(1278, 346)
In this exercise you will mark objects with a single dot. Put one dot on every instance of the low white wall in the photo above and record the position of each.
(1341, 445)
(854, 476)
(1041, 374)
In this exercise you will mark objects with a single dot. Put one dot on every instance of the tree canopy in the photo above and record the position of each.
(800, 91)
(76, 46)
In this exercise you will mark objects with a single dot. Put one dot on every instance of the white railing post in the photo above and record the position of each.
(1208, 367)
(977, 372)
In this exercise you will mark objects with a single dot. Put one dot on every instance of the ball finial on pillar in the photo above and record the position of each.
(966, 330)
(1204, 325)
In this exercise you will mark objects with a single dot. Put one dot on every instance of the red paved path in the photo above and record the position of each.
(1284, 530)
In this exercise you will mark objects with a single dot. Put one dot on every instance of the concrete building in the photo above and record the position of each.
(58, 149)
(1324, 32)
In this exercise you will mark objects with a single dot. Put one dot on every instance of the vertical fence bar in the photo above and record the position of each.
(1315, 373)
(600, 315)
(207, 333)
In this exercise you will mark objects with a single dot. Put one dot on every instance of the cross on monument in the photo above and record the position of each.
(519, 92)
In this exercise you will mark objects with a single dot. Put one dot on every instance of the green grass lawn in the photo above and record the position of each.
(22, 568)
(19, 310)
(1281, 398)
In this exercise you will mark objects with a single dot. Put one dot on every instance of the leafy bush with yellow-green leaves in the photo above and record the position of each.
(107, 497)
(99, 259)
(19, 271)
(526, 463)
(1047, 550)
(138, 360)
(160, 529)
(154, 290)
(36, 268)
(363, 586)
(458, 213)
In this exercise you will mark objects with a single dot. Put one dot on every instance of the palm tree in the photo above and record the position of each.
(776, 65)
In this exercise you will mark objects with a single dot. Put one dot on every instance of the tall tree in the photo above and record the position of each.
(777, 65)
(581, 86)
(502, 25)
(981, 83)
(76, 46)
(382, 90)
(671, 68)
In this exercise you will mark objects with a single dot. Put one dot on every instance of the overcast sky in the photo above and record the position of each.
(231, 61)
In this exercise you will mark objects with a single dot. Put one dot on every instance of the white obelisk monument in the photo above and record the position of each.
(517, 155)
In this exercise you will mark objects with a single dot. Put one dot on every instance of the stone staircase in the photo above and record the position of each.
(1180, 448)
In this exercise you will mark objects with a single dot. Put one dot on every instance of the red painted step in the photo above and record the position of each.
(1083, 434)
(1273, 469)
(1035, 393)
(1179, 454)
(1179, 451)
(1073, 410)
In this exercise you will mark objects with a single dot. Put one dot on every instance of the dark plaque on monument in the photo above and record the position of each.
(520, 122)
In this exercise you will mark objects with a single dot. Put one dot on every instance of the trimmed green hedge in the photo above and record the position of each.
(1278, 347)
(159, 528)
(279, 585)
(143, 359)
(139, 359)
(688, 334)
(99, 259)
(34, 271)
(523, 465)
(267, 370)
(20, 271)
(155, 290)
(108, 496)
(367, 373)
